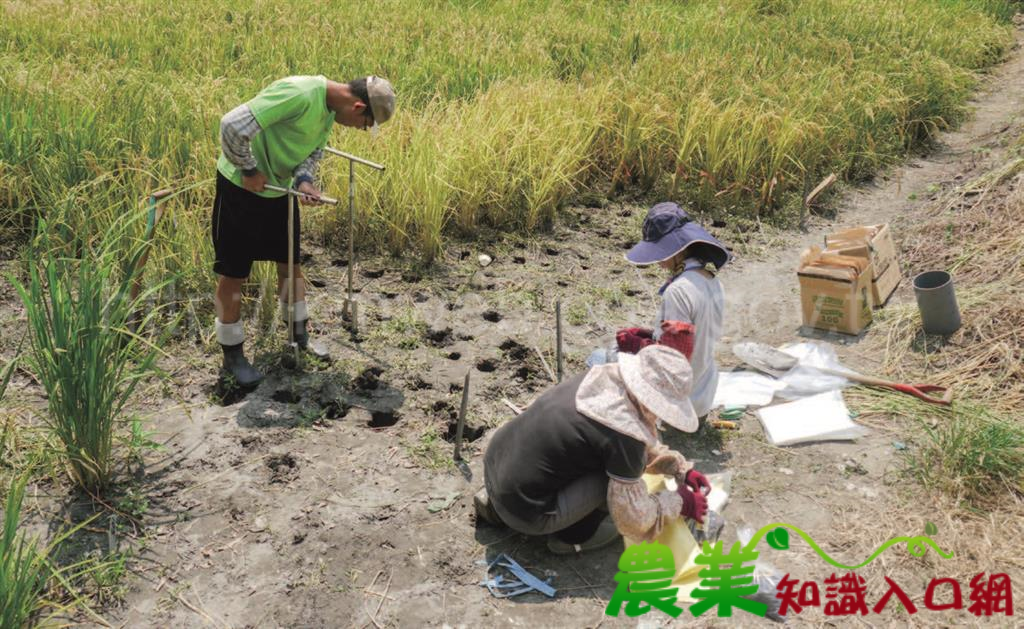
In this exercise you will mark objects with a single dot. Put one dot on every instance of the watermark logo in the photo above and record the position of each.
(646, 571)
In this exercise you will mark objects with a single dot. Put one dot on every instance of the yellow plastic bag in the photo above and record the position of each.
(677, 537)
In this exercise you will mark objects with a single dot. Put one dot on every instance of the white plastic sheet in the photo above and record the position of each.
(822, 417)
(745, 388)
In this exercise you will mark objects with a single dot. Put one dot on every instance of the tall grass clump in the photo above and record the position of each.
(23, 567)
(78, 305)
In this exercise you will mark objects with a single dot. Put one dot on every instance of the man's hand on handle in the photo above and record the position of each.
(255, 182)
(310, 194)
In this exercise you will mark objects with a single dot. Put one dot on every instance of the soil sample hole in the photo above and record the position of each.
(451, 306)
(463, 255)
(419, 384)
(490, 287)
(519, 259)
(514, 349)
(283, 468)
(466, 337)
(334, 409)
(445, 409)
(286, 396)
(718, 223)
(627, 244)
(339, 262)
(625, 213)
(318, 283)
(388, 295)
(562, 283)
(383, 419)
(604, 233)
(251, 441)
(454, 387)
(305, 258)
(631, 292)
(439, 338)
(487, 365)
(373, 273)
(492, 315)
(369, 379)
(420, 297)
(454, 356)
(615, 271)
(584, 267)
(469, 433)
(551, 251)
(523, 374)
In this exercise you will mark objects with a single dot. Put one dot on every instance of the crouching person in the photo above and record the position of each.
(570, 465)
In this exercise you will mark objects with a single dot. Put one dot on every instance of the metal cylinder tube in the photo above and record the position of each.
(936, 299)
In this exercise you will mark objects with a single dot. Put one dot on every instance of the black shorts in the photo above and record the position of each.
(247, 227)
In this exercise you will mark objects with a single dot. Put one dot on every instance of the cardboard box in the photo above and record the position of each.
(874, 243)
(835, 291)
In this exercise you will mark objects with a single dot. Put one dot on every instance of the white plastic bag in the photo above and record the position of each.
(804, 379)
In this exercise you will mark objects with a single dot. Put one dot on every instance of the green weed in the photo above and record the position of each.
(965, 449)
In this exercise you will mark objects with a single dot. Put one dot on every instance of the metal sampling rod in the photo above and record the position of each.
(292, 193)
(350, 304)
(295, 193)
(353, 158)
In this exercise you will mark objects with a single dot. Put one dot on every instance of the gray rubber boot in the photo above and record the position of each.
(238, 366)
(314, 347)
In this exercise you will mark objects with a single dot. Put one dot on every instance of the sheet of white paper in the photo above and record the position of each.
(745, 388)
(822, 417)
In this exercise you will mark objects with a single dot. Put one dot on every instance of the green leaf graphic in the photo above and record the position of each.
(930, 528)
(779, 539)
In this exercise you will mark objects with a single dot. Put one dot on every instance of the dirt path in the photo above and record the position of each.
(308, 504)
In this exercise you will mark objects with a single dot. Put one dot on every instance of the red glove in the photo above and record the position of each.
(632, 340)
(697, 482)
(678, 336)
(695, 504)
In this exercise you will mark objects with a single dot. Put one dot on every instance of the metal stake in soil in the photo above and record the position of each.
(558, 337)
(462, 419)
(291, 279)
(350, 305)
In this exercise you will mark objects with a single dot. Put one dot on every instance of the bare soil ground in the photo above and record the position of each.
(326, 498)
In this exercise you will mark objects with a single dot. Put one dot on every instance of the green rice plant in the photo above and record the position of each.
(89, 363)
(23, 567)
(505, 107)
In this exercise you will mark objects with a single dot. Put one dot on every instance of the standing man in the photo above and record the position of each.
(276, 138)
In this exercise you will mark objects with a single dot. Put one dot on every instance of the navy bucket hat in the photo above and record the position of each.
(667, 231)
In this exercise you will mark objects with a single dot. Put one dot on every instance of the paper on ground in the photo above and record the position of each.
(822, 417)
(745, 388)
